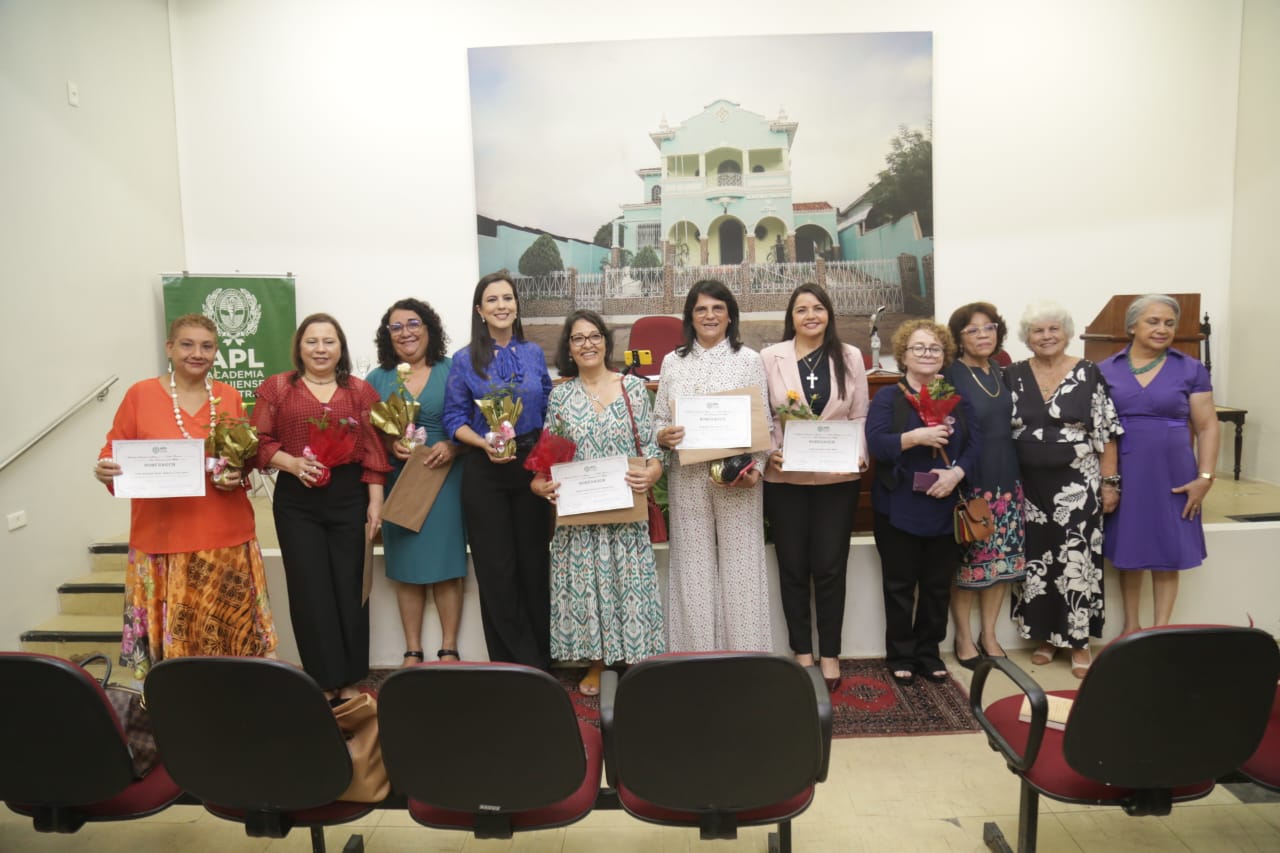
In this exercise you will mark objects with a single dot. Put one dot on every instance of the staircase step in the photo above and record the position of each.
(109, 556)
(97, 593)
(73, 635)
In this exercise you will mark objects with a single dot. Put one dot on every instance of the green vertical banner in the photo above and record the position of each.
(255, 317)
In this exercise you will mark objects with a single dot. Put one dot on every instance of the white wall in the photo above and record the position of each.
(1255, 269)
(90, 212)
(1082, 148)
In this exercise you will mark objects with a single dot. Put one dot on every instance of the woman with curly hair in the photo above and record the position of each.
(410, 333)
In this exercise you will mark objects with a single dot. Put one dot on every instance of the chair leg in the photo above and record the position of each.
(317, 839)
(994, 838)
(780, 841)
(355, 844)
(1028, 818)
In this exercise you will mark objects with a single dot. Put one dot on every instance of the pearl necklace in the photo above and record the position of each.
(177, 410)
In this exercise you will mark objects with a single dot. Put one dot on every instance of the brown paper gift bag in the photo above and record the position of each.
(358, 720)
(414, 492)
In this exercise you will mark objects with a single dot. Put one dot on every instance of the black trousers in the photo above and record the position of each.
(322, 543)
(811, 526)
(508, 529)
(911, 563)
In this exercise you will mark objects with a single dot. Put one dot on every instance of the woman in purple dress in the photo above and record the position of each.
(1156, 390)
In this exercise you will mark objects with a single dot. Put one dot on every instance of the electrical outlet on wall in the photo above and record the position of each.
(17, 519)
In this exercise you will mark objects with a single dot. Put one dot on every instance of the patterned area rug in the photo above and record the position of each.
(869, 702)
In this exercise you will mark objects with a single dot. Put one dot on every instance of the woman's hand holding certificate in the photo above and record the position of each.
(831, 447)
(592, 485)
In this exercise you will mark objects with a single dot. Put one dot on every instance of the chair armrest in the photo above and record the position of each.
(608, 693)
(823, 697)
(1039, 710)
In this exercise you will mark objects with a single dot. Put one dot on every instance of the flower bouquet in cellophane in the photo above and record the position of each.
(232, 442)
(552, 449)
(330, 443)
(395, 415)
(501, 410)
(934, 405)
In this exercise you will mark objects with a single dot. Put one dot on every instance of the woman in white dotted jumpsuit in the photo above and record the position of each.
(717, 590)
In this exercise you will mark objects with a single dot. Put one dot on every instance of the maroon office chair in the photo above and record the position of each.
(1263, 767)
(658, 334)
(66, 758)
(717, 741)
(256, 742)
(1161, 714)
(489, 748)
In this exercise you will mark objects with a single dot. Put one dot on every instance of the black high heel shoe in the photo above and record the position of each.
(970, 663)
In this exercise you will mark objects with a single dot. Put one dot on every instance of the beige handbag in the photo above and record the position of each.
(358, 719)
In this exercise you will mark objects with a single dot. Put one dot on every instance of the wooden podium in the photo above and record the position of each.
(1106, 335)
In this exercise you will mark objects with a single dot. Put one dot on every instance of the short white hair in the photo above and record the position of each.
(1045, 311)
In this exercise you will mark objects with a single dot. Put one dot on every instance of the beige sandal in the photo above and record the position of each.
(1044, 655)
(590, 683)
(1078, 669)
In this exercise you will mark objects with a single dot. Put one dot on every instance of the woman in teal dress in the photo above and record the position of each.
(435, 556)
(604, 584)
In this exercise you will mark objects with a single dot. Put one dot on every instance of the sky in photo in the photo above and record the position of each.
(560, 130)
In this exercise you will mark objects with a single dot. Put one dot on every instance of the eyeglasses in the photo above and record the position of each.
(973, 331)
(921, 350)
(411, 326)
(595, 339)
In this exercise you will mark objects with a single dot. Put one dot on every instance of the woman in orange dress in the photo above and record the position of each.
(195, 584)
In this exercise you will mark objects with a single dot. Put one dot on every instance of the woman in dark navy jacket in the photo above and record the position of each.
(913, 515)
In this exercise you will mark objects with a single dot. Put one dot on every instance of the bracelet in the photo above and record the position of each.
(1111, 480)
(1208, 475)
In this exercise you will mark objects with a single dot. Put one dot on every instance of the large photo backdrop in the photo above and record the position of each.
(613, 175)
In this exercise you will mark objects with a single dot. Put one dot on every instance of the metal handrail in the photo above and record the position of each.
(99, 393)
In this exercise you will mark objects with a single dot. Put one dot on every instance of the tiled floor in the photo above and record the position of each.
(884, 794)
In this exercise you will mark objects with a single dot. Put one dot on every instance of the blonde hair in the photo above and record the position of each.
(910, 327)
(199, 320)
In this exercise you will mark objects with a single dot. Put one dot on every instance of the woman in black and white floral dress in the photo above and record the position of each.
(1064, 429)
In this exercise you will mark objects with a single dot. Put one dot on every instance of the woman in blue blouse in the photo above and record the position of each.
(913, 520)
(507, 525)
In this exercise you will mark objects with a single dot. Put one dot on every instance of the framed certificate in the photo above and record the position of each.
(829, 447)
(159, 469)
(592, 485)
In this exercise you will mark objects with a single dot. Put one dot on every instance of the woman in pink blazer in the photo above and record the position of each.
(811, 514)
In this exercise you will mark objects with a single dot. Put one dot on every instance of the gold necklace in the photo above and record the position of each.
(319, 381)
(978, 381)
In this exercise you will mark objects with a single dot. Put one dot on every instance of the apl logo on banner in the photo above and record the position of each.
(255, 317)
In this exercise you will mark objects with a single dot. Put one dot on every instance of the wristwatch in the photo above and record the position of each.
(1111, 480)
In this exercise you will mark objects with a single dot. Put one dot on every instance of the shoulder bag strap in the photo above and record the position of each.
(635, 432)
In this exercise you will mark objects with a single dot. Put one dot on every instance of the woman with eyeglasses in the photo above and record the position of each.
(989, 565)
(508, 527)
(918, 470)
(604, 582)
(718, 588)
(436, 556)
(1064, 431)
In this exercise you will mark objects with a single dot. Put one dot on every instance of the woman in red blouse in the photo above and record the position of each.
(323, 512)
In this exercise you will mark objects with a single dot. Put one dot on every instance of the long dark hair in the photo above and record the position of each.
(437, 341)
(481, 346)
(716, 290)
(564, 361)
(343, 370)
(830, 339)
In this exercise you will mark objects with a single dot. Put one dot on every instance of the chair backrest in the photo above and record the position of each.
(247, 733)
(1172, 706)
(480, 737)
(64, 744)
(658, 334)
(716, 732)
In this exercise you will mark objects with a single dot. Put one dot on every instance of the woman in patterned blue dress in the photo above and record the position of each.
(605, 605)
